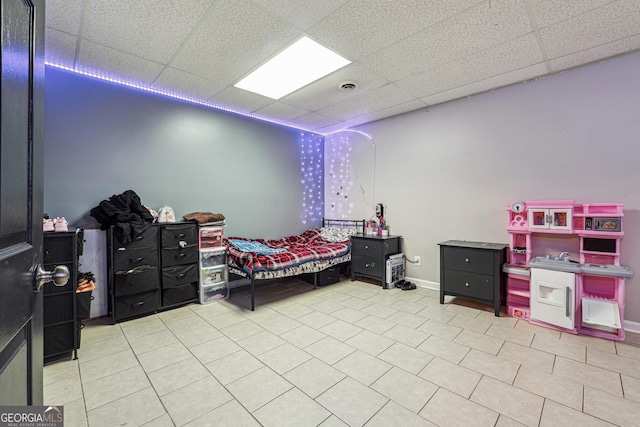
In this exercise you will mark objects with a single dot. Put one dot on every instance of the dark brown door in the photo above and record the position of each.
(21, 184)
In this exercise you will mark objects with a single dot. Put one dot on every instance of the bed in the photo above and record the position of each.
(309, 252)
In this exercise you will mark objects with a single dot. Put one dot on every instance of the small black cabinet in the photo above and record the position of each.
(473, 270)
(61, 326)
(155, 271)
(369, 255)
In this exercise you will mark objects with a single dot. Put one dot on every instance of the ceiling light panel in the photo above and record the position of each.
(303, 62)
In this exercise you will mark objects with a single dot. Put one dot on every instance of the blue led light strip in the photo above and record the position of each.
(173, 95)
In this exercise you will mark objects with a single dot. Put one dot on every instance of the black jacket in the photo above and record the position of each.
(126, 213)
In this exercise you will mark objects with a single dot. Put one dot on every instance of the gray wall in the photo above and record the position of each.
(102, 139)
(449, 172)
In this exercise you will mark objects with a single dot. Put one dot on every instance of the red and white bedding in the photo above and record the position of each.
(304, 253)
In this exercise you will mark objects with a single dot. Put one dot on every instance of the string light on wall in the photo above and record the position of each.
(339, 185)
(312, 172)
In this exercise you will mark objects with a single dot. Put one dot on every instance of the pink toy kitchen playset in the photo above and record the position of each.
(564, 267)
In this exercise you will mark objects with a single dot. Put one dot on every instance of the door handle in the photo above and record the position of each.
(59, 276)
(568, 301)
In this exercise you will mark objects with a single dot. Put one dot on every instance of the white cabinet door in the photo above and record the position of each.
(551, 219)
(553, 297)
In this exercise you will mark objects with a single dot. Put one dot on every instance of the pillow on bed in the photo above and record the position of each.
(337, 234)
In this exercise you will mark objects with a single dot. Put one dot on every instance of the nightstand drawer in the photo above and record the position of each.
(374, 247)
(471, 260)
(472, 285)
(366, 265)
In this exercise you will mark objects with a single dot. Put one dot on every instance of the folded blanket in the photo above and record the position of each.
(256, 247)
(203, 217)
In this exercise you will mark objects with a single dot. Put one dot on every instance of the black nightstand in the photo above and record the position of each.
(369, 255)
(473, 270)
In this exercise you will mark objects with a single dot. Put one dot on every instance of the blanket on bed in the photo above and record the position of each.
(257, 247)
(306, 247)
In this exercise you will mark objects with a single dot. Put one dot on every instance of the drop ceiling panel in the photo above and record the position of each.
(360, 28)
(388, 112)
(501, 59)
(406, 52)
(548, 12)
(183, 83)
(612, 22)
(232, 39)
(152, 29)
(383, 97)
(278, 111)
(241, 100)
(594, 54)
(64, 15)
(521, 75)
(326, 92)
(302, 14)
(315, 121)
(474, 29)
(115, 64)
(61, 47)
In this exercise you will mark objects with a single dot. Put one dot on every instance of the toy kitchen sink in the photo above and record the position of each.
(566, 265)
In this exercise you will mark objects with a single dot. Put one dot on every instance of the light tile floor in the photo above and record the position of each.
(345, 354)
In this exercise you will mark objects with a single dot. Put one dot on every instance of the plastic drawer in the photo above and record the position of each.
(213, 293)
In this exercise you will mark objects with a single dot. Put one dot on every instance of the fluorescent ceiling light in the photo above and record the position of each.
(303, 62)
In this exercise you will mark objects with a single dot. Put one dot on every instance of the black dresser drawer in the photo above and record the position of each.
(59, 308)
(179, 275)
(147, 239)
(466, 259)
(125, 259)
(368, 266)
(57, 249)
(137, 304)
(473, 270)
(173, 235)
(375, 247)
(137, 280)
(59, 338)
(179, 255)
(472, 285)
(180, 294)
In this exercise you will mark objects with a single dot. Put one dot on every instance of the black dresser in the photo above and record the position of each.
(61, 326)
(473, 270)
(157, 270)
(369, 255)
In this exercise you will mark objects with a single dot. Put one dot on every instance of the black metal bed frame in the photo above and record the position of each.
(357, 223)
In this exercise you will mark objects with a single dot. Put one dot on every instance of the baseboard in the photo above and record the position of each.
(633, 327)
(629, 326)
(424, 283)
